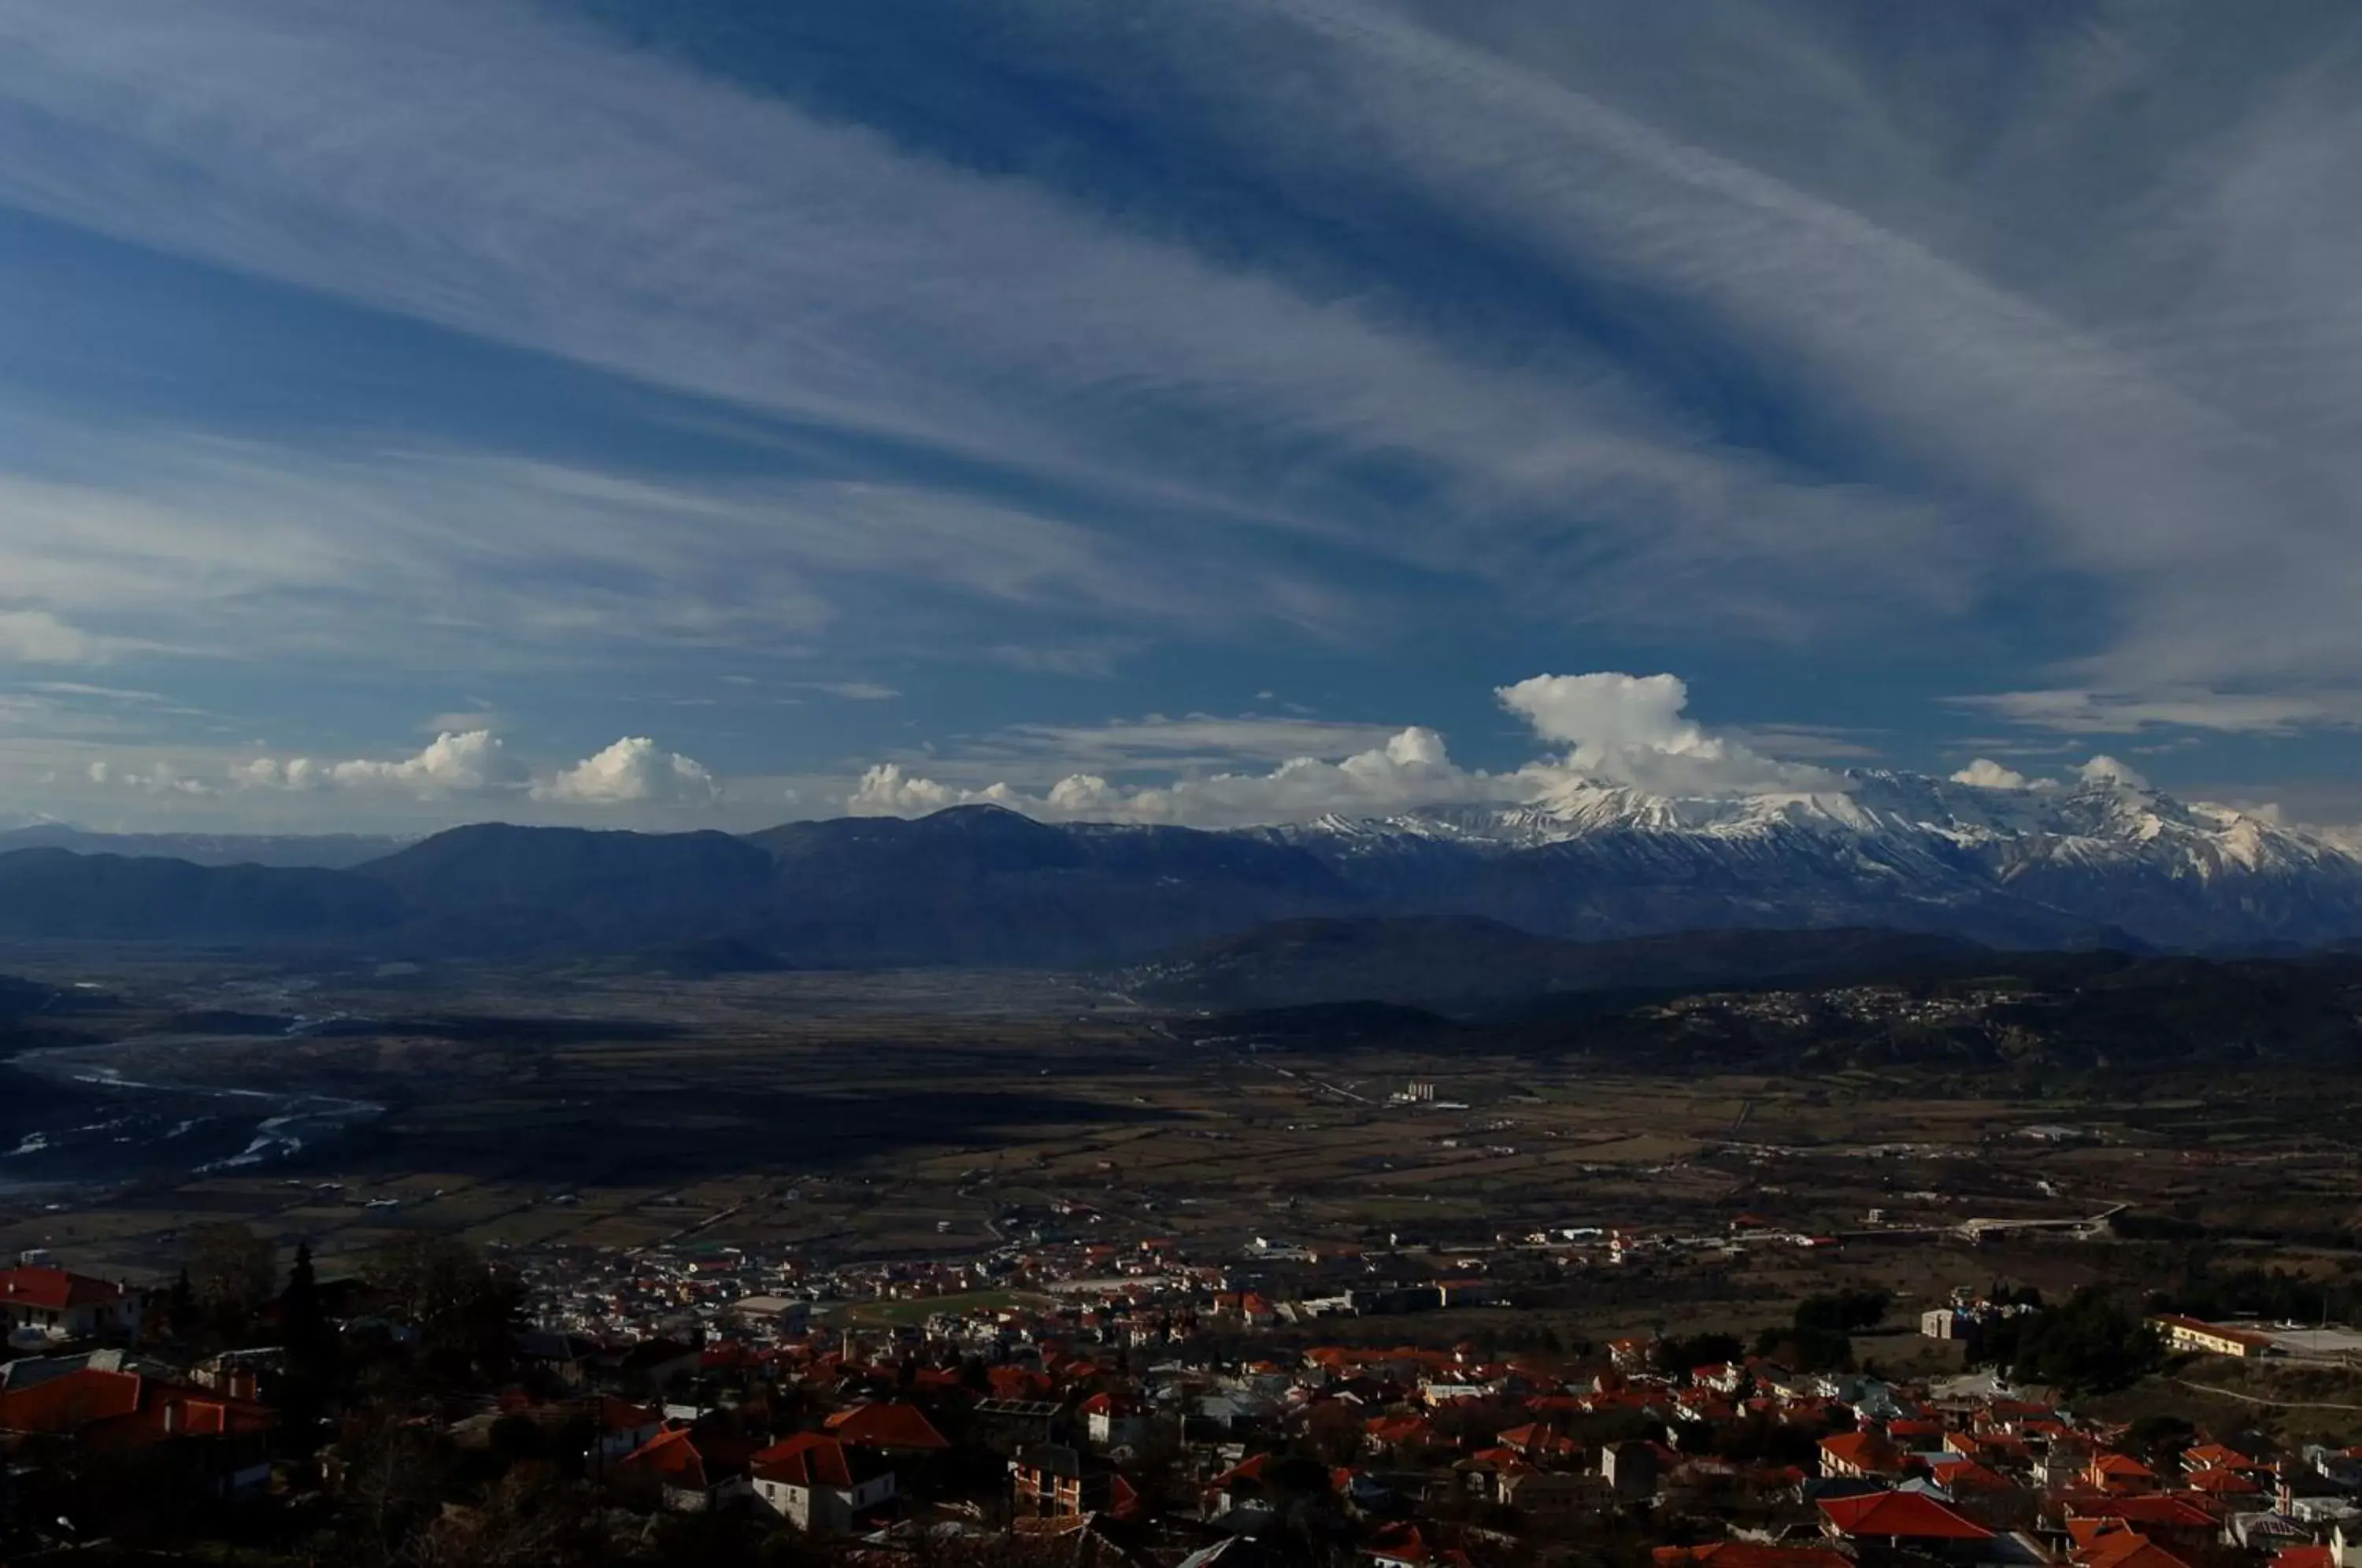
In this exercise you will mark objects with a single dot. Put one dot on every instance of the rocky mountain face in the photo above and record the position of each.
(2106, 864)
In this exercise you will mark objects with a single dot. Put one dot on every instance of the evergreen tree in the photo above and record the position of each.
(310, 1370)
(181, 1309)
(300, 1308)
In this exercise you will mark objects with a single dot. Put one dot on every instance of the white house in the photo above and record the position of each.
(817, 1484)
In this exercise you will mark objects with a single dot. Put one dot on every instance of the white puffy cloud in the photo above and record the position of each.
(1412, 769)
(2105, 769)
(1629, 729)
(456, 762)
(634, 770)
(1985, 773)
(885, 790)
(475, 764)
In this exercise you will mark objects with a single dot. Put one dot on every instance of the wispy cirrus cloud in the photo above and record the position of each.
(2018, 346)
(610, 208)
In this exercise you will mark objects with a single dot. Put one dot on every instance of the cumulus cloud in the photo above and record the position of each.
(2105, 769)
(634, 770)
(1623, 731)
(1985, 773)
(475, 765)
(1412, 769)
(1631, 729)
(454, 763)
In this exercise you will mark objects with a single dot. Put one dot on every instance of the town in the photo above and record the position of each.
(1074, 1394)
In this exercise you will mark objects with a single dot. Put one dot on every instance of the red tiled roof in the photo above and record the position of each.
(1900, 1516)
(2126, 1549)
(1399, 1543)
(70, 1403)
(2214, 1331)
(122, 1410)
(885, 1424)
(682, 1460)
(671, 1455)
(1751, 1555)
(621, 1416)
(1968, 1475)
(53, 1289)
(2211, 1455)
(1248, 1469)
(2156, 1511)
(1017, 1383)
(1863, 1451)
(807, 1459)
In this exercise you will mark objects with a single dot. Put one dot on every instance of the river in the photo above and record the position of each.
(78, 1122)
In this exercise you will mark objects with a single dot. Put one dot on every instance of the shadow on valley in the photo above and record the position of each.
(676, 1133)
(489, 1029)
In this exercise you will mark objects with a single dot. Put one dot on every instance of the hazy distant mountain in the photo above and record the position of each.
(2106, 864)
(330, 850)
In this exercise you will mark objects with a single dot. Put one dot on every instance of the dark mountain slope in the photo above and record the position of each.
(1467, 965)
(980, 885)
(495, 888)
(56, 895)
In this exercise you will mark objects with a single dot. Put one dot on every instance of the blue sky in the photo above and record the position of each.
(711, 413)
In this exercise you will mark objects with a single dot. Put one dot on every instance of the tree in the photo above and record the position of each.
(301, 1322)
(466, 1311)
(230, 1274)
(311, 1354)
(2088, 1345)
(180, 1307)
(1681, 1355)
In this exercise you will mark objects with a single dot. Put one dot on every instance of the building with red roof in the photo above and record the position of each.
(1859, 1454)
(1749, 1554)
(225, 1440)
(2210, 1339)
(1112, 1420)
(2109, 1544)
(2176, 1519)
(687, 1471)
(2121, 1472)
(63, 1306)
(887, 1425)
(1901, 1519)
(820, 1485)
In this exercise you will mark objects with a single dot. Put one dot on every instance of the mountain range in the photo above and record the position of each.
(2106, 863)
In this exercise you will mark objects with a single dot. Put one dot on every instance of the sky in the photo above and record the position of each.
(665, 413)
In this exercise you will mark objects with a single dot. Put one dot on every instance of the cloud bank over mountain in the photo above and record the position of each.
(1618, 729)
(461, 766)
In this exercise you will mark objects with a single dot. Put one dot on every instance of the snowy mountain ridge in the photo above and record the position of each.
(2105, 820)
(2036, 863)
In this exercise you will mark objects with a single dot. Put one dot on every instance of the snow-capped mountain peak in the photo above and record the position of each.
(1893, 846)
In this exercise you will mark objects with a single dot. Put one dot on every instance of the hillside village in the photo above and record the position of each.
(1101, 1403)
